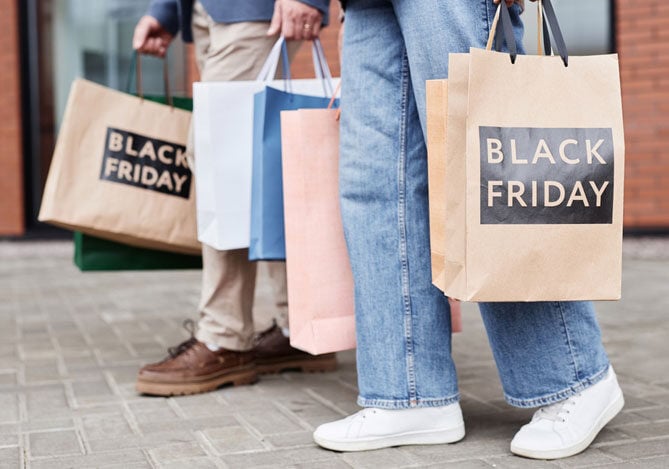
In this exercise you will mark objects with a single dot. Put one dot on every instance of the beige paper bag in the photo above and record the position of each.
(454, 241)
(544, 179)
(320, 282)
(534, 174)
(437, 107)
(119, 171)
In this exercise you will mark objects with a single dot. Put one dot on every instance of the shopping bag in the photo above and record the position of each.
(92, 254)
(267, 240)
(223, 137)
(437, 119)
(119, 171)
(538, 215)
(437, 105)
(320, 283)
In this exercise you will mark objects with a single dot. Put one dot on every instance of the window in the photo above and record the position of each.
(586, 26)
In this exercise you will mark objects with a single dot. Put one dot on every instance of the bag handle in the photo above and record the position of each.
(137, 64)
(269, 68)
(545, 48)
(334, 96)
(503, 32)
(322, 68)
(332, 101)
(280, 52)
(560, 46)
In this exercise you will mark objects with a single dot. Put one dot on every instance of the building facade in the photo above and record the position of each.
(47, 43)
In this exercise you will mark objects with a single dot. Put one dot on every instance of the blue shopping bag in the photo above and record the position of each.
(267, 240)
(267, 226)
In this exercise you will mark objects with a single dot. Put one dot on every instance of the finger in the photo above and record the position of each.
(314, 22)
(316, 29)
(275, 24)
(140, 35)
(153, 46)
(289, 29)
(307, 29)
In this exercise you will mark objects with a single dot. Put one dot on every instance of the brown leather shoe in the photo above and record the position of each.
(273, 354)
(192, 368)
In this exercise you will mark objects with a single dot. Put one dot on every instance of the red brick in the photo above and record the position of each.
(11, 176)
(642, 34)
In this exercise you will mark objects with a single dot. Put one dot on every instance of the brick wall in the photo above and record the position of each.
(11, 156)
(642, 34)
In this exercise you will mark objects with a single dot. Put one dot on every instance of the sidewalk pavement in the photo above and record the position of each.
(71, 344)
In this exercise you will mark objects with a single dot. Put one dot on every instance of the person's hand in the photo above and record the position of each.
(150, 37)
(295, 20)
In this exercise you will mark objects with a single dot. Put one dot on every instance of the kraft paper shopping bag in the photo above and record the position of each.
(320, 283)
(542, 175)
(119, 171)
(437, 119)
(437, 106)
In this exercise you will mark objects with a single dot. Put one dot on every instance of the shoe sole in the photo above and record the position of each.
(315, 364)
(431, 437)
(247, 375)
(609, 413)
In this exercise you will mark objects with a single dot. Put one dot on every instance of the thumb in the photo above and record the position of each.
(140, 35)
(275, 25)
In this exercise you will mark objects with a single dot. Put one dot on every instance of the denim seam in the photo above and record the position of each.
(401, 210)
(568, 338)
(486, 20)
(405, 404)
(559, 395)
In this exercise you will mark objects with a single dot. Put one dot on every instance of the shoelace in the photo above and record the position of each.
(556, 412)
(189, 325)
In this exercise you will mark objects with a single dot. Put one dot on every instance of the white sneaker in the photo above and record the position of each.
(568, 427)
(373, 428)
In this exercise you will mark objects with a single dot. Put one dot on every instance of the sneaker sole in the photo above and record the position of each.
(609, 413)
(431, 437)
(239, 377)
(315, 364)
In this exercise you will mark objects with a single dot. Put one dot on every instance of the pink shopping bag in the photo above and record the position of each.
(320, 282)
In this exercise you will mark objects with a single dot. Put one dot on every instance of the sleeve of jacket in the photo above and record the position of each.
(322, 5)
(167, 14)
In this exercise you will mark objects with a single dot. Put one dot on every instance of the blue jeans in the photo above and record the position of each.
(545, 352)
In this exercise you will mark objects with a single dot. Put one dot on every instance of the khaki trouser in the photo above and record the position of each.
(226, 52)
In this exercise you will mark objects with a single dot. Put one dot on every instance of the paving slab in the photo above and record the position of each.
(71, 344)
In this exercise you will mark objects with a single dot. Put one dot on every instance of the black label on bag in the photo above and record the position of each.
(546, 176)
(146, 162)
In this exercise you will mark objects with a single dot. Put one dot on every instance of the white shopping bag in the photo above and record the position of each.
(223, 137)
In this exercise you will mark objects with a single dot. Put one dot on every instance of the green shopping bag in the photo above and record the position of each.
(91, 253)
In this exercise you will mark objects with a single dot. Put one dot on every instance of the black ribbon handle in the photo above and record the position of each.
(504, 32)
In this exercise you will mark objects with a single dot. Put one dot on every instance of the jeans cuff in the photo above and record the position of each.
(408, 403)
(559, 395)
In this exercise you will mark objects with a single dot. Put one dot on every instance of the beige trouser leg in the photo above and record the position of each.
(226, 52)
